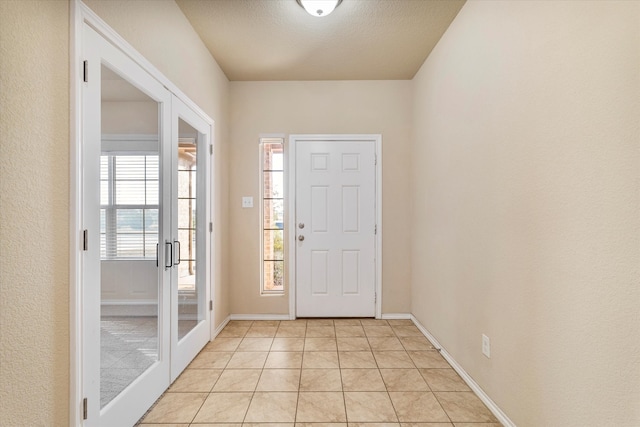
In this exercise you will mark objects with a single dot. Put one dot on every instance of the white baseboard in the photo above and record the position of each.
(129, 308)
(491, 405)
(259, 317)
(495, 409)
(129, 302)
(395, 316)
(220, 328)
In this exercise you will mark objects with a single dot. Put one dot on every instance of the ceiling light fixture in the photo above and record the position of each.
(319, 8)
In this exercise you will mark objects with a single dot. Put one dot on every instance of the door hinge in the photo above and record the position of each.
(211, 149)
(375, 161)
(210, 227)
(375, 229)
(85, 71)
(375, 297)
(85, 240)
(84, 408)
(210, 305)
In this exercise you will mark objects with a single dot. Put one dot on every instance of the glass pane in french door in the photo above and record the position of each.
(129, 230)
(190, 283)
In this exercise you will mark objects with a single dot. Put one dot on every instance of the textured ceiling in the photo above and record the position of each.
(360, 40)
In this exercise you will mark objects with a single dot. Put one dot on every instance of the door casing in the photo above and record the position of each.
(290, 151)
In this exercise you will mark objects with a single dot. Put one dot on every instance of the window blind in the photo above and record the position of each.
(129, 197)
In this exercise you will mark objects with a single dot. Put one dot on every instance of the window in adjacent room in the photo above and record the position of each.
(128, 206)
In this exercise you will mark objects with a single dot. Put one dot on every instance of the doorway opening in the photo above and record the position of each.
(143, 198)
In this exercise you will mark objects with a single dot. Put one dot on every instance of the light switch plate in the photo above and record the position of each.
(486, 346)
(247, 202)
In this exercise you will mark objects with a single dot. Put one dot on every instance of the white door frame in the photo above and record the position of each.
(81, 14)
(291, 209)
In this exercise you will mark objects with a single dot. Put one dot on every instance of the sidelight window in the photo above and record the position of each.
(272, 188)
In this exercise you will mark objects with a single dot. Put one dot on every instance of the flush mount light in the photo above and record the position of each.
(319, 8)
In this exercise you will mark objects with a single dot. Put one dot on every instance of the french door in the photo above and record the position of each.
(190, 213)
(145, 210)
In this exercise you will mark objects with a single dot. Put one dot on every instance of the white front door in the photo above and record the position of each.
(335, 219)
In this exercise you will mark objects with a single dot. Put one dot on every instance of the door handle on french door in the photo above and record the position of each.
(168, 254)
(157, 244)
(177, 244)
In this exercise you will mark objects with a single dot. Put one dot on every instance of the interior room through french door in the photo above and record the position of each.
(145, 210)
(126, 119)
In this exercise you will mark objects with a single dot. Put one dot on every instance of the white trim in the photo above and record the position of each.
(491, 405)
(378, 142)
(396, 316)
(115, 144)
(290, 207)
(101, 27)
(141, 308)
(272, 135)
(258, 317)
(219, 329)
(75, 217)
(127, 137)
(153, 302)
(277, 140)
(212, 235)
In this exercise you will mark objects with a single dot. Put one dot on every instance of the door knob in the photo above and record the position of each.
(301, 225)
(301, 238)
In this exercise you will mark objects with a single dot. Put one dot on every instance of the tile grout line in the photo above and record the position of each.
(253, 394)
(271, 351)
(344, 397)
(256, 386)
(295, 413)
(444, 410)
(428, 386)
(395, 410)
(208, 394)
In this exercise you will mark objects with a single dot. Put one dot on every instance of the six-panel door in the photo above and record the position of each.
(335, 228)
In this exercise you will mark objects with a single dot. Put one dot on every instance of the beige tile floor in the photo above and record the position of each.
(329, 372)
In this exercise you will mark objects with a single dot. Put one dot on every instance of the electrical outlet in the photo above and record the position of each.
(247, 202)
(486, 346)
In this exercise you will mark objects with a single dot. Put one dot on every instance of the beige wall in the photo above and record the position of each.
(128, 280)
(527, 193)
(34, 183)
(163, 35)
(129, 118)
(318, 107)
(34, 213)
